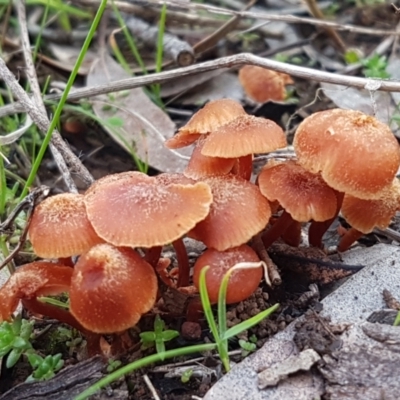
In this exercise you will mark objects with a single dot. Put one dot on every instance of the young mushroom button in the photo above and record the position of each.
(111, 288)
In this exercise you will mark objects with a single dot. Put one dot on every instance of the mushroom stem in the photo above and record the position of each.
(348, 239)
(153, 255)
(183, 262)
(292, 235)
(318, 228)
(277, 229)
(243, 167)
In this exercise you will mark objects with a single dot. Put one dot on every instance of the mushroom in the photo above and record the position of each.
(262, 84)
(201, 166)
(365, 215)
(60, 228)
(304, 196)
(111, 288)
(213, 115)
(135, 210)
(355, 153)
(237, 213)
(242, 282)
(33, 280)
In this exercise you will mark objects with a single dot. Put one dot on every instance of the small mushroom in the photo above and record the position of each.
(60, 227)
(262, 84)
(135, 210)
(237, 213)
(111, 288)
(355, 153)
(304, 196)
(242, 282)
(213, 115)
(365, 215)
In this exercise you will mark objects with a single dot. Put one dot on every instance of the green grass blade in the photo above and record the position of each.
(160, 46)
(249, 323)
(143, 363)
(205, 302)
(64, 97)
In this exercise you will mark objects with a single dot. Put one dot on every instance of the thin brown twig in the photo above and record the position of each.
(167, 76)
(25, 104)
(36, 93)
(291, 19)
(316, 12)
(220, 33)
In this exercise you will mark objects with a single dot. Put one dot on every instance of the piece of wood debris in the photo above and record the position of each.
(300, 362)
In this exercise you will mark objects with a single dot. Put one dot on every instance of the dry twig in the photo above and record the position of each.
(37, 97)
(163, 77)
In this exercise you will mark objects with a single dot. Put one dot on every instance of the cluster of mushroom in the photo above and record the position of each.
(345, 161)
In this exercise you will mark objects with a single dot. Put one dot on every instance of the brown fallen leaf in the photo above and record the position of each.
(133, 120)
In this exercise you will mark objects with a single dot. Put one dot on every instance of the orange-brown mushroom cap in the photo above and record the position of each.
(355, 153)
(262, 84)
(60, 227)
(304, 195)
(111, 288)
(242, 282)
(30, 281)
(365, 215)
(133, 209)
(238, 212)
(244, 135)
(200, 166)
(213, 115)
(181, 139)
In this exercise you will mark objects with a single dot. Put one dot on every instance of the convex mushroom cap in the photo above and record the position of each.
(135, 210)
(242, 282)
(238, 212)
(262, 84)
(242, 136)
(33, 280)
(111, 288)
(213, 115)
(355, 153)
(304, 195)
(60, 227)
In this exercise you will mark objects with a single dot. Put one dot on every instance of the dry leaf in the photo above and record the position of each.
(133, 120)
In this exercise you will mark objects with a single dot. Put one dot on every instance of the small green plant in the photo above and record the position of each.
(375, 67)
(158, 337)
(44, 368)
(221, 335)
(113, 365)
(185, 378)
(15, 340)
(247, 347)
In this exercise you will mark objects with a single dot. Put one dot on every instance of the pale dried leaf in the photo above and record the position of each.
(143, 125)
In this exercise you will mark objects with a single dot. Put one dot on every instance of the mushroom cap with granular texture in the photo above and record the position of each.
(365, 215)
(238, 212)
(32, 280)
(111, 288)
(135, 210)
(181, 139)
(242, 282)
(200, 166)
(304, 195)
(213, 115)
(262, 84)
(355, 153)
(244, 135)
(60, 227)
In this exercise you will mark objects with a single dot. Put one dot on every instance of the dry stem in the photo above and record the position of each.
(167, 76)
